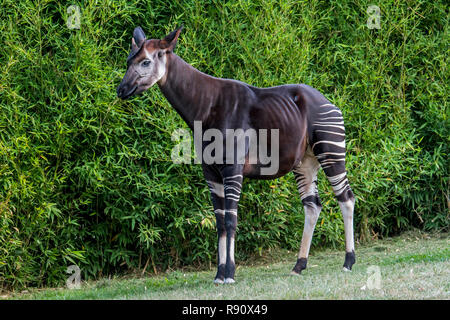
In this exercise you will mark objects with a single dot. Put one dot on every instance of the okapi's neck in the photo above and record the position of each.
(191, 92)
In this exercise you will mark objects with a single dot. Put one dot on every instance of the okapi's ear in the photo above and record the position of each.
(136, 42)
(170, 41)
(138, 38)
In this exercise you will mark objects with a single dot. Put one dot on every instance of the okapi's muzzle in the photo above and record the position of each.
(125, 90)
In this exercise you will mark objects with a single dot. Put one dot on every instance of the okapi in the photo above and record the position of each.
(311, 135)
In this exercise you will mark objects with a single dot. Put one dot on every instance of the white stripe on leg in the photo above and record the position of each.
(231, 257)
(311, 215)
(216, 188)
(222, 249)
(347, 208)
(231, 249)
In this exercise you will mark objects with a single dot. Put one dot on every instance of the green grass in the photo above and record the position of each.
(412, 266)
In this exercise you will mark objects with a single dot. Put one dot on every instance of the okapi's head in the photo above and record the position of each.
(146, 63)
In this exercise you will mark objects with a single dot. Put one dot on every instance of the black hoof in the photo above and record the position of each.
(220, 275)
(229, 272)
(349, 260)
(299, 266)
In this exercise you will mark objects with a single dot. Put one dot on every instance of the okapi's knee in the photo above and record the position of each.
(313, 207)
(220, 222)
(346, 195)
(347, 208)
(312, 202)
(231, 224)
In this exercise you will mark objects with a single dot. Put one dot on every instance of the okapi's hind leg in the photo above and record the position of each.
(337, 176)
(329, 147)
(306, 177)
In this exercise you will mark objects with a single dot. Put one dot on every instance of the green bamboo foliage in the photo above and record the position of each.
(87, 179)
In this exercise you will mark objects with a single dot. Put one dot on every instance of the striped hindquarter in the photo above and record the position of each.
(328, 145)
(327, 150)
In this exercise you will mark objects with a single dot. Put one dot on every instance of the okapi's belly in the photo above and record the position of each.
(290, 154)
(286, 142)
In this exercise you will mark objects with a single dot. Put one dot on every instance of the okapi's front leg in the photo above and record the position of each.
(215, 184)
(232, 181)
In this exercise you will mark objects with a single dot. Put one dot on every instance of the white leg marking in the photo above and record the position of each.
(233, 197)
(334, 110)
(311, 216)
(232, 211)
(230, 188)
(222, 249)
(339, 183)
(329, 125)
(347, 213)
(338, 144)
(235, 176)
(308, 172)
(216, 188)
(231, 249)
(219, 211)
(332, 132)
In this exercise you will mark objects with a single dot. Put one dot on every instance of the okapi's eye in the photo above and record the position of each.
(146, 63)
